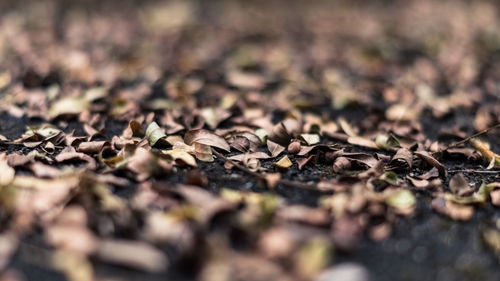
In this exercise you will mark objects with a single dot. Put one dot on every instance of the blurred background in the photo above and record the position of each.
(454, 44)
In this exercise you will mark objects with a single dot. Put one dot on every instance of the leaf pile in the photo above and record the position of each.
(173, 137)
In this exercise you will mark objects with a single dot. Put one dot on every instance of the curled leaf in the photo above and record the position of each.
(154, 133)
(433, 162)
(207, 138)
(309, 139)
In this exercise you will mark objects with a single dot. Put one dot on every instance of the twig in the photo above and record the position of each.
(471, 171)
(262, 176)
(470, 137)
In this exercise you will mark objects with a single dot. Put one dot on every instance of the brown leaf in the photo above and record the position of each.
(134, 254)
(207, 138)
(274, 148)
(70, 155)
(134, 129)
(241, 144)
(272, 179)
(301, 162)
(346, 232)
(210, 204)
(341, 164)
(277, 242)
(402, 160)
(92, 147)
(460, 186)
(303, 214)
(453, 210)
(433, 162)
(495, 197)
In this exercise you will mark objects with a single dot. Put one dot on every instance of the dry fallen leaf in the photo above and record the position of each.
(134, 254)
(274, 148)
(284, 162)
(7, 174)
(207, 138)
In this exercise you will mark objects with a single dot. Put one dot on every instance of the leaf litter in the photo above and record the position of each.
(235, 154)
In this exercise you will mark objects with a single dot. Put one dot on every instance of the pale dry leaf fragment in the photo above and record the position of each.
(181, 156)
(154, 133)
(203, 152)
(309, 139)
(313, 257)
(403, 201)
(452, 210)
(207, 138)
(245, 80)
(44, 171)
(346, 232)
(204, 200)
(173, 140)
(277, 242)
(341, 164)
(492, 239)
(386, 142)
(213, 116)
(75, 238)
(272, 179)
(8, 244)
(74, 266)
(256, 155)
(495, 197)
(460, 186)
(345, 272)
(418, 183)
(304, 214)
(92, 147)
(284, 162)
(134, 254)
(274, 148)
(401, 112)
(362, 141)
(7, 172)
(69, 106)
(346, 127)
(42, 195)
(284, 131)
(144, 164)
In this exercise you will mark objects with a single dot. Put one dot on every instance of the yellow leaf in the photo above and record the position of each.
(284, 162)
